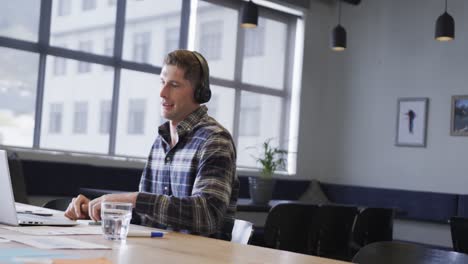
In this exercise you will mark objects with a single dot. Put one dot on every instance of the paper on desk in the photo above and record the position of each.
(53, 242)
(82, 229)
(4, 240)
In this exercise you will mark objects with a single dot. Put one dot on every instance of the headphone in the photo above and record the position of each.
(202, 93)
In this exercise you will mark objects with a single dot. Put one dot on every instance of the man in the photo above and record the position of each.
(189, 182)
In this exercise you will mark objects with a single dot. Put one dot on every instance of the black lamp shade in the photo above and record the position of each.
(249, 12)
(338, 38)
(445, 28)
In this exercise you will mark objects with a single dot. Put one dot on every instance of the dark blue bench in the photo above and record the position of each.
(66, 179)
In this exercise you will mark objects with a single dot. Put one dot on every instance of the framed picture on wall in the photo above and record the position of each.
(411, 122)
(459, 120)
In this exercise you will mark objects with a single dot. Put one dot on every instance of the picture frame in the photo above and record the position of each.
(459, 116)
(411, 128)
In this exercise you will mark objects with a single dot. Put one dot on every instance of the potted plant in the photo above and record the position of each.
(271, 159)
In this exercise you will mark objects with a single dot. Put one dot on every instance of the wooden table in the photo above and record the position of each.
(181, 248)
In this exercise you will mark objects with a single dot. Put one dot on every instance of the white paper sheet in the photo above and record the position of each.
(56, 230)
(4, 240)
(53, 242)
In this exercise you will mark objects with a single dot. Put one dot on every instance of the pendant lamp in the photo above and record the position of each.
(249, 13)
(445, 26)
(338, 37)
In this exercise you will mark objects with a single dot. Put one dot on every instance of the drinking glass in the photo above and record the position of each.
(115, 220)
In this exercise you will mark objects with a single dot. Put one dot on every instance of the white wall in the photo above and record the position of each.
(349, 99)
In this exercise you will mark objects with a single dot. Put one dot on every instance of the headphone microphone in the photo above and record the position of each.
(202, 93)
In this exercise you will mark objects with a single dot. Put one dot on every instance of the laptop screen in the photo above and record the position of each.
(7, 204)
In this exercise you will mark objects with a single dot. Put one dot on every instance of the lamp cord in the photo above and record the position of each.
(339, 12)
(445, 5)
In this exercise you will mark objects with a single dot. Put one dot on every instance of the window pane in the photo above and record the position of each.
(264, 64)
(211, 40)
(221, 106)
(260, 118)
(72, 111)
(139, 113)
(146, 25)
(18, 82)
(20, 19)
(82, 25)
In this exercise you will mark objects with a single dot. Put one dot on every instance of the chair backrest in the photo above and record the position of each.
(241, 231)
(60, 204)
(390, 252)
(459, 232)
(331, 231)
(287, 226)
(372, 225)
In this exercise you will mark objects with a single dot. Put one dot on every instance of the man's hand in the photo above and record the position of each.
(78, 208)
(94, 206)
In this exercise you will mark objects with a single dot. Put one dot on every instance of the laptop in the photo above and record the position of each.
(8, 213)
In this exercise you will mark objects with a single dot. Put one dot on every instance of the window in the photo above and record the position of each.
(172, 39)
(60, 66)
(105, 117)
(80, 118)
(145, 32)
(108, 50)
(141, 46)
(255, 40)
(252, 81)
(18, 82)
(136, 116)
(87, 5)
(211, 40)
(63, 7)
(55, 118)
(84, 67)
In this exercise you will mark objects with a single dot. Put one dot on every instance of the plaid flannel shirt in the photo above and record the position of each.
(192, 187)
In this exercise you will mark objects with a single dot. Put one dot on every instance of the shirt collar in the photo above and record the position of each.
(186, 125)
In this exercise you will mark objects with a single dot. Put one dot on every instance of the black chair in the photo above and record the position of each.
(372, 225)
(60, 204)
(287, 226)
(459, 232)
(331, 231)
(392, 252)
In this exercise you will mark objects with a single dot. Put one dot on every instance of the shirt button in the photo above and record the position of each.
(168, 159)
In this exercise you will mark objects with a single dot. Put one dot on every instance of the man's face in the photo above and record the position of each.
(177, 100)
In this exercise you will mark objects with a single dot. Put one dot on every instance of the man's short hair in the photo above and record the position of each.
(187, 61)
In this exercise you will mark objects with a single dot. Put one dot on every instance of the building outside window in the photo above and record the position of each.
(250, 116)
(108, 50)
(80, 118)
(63, 7)
(55, 118)
(255, 40)
(60, 66)
(84, 67)
(141, 46)
(111, 2)
(105, 116)
(87, 5)
(172, 39)
(211, 39)
(136, 116)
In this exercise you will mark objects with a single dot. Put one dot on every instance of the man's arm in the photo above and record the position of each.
(204, 210)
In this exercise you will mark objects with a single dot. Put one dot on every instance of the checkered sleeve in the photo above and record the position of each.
(203, 212)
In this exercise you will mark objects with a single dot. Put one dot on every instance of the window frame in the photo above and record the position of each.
(43, 47)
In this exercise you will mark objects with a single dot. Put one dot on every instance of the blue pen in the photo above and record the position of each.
(141, 233)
